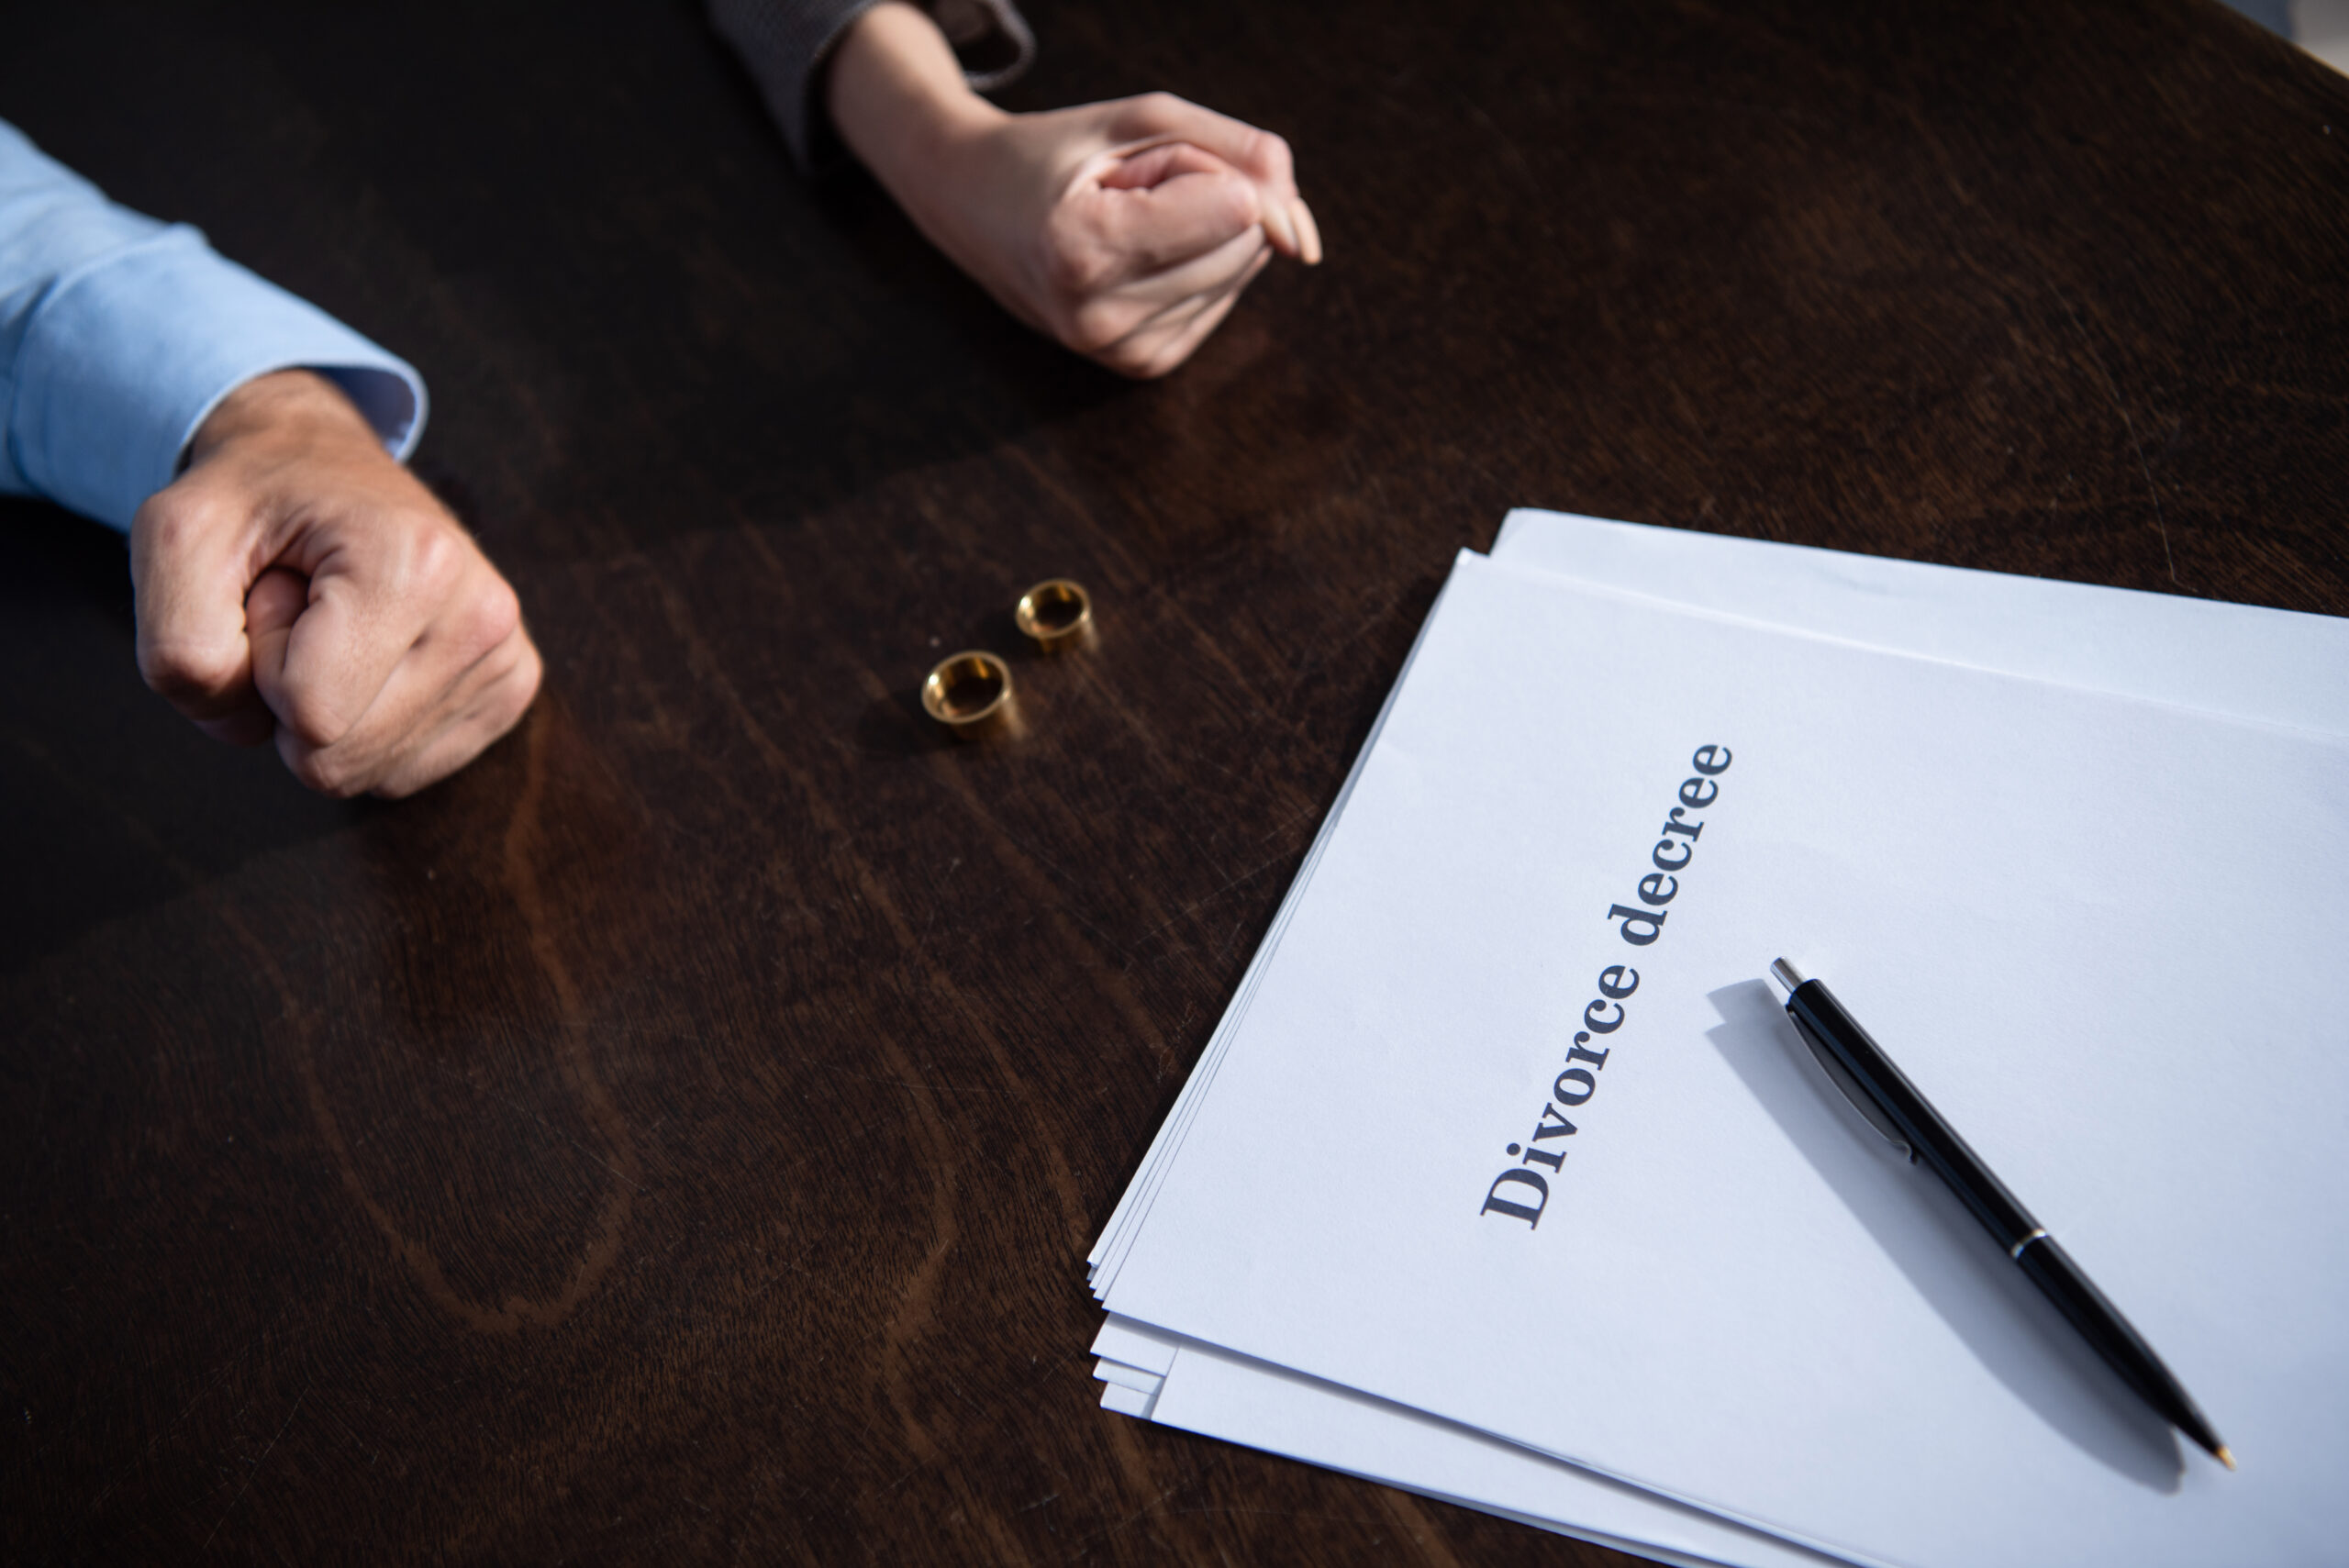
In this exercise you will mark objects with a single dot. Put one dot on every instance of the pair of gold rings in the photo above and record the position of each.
(969, 692)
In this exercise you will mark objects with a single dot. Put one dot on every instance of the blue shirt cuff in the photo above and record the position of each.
(126, 354)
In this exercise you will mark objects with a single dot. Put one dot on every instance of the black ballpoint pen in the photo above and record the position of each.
(1892, 1104)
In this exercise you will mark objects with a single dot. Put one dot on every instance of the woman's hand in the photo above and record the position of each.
(1124, 230)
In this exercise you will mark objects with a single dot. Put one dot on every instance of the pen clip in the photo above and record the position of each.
(1861, 1101)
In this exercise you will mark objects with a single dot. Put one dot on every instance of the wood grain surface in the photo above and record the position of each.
(678, 1137)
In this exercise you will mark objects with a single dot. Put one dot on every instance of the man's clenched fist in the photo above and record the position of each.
(296, 584)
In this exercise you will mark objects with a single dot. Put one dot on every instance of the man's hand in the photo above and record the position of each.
(297, 582)
(1124, 230)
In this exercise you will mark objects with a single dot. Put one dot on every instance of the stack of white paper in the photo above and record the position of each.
(1504, 1179)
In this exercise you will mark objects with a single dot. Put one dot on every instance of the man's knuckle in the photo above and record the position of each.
(437, 558)
(181, 670)
(312, 717)
(176, 514)
(522, 685)
(513, 697)
(491, 616)
(330, 774)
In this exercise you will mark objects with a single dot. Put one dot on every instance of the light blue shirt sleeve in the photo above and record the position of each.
(118, 334)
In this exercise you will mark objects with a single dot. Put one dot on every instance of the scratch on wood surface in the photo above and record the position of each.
(1247, 874)
(2129, 427)
(1126, 1449)
(227, 1366)
(1516, 153)
(1413, 1524)
(532, 1112)
(267, 1450)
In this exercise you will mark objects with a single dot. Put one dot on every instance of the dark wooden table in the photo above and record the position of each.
(678, 1137)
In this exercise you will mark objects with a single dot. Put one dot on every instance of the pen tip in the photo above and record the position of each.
(2226, 1456)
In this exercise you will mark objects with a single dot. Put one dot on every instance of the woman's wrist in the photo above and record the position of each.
(897, 96)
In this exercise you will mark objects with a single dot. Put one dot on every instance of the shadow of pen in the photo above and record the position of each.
(2013, 1331)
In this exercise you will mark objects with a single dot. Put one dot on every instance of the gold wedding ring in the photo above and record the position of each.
(970, 693)
(1057, 613)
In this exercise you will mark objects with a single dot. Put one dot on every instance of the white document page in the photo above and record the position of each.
(2238, 660)
(1738, 1297)
(1133, 1203)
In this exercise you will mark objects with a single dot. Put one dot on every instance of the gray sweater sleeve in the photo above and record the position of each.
(786, 42)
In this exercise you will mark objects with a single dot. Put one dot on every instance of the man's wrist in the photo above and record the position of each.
(283, 402)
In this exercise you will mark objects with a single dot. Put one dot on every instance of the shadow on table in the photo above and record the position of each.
(111, 802)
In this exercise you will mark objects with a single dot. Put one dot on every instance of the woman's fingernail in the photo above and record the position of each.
(1309, 235)
(1281, 229)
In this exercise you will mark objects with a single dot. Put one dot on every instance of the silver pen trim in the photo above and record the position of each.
(2015, 1252)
